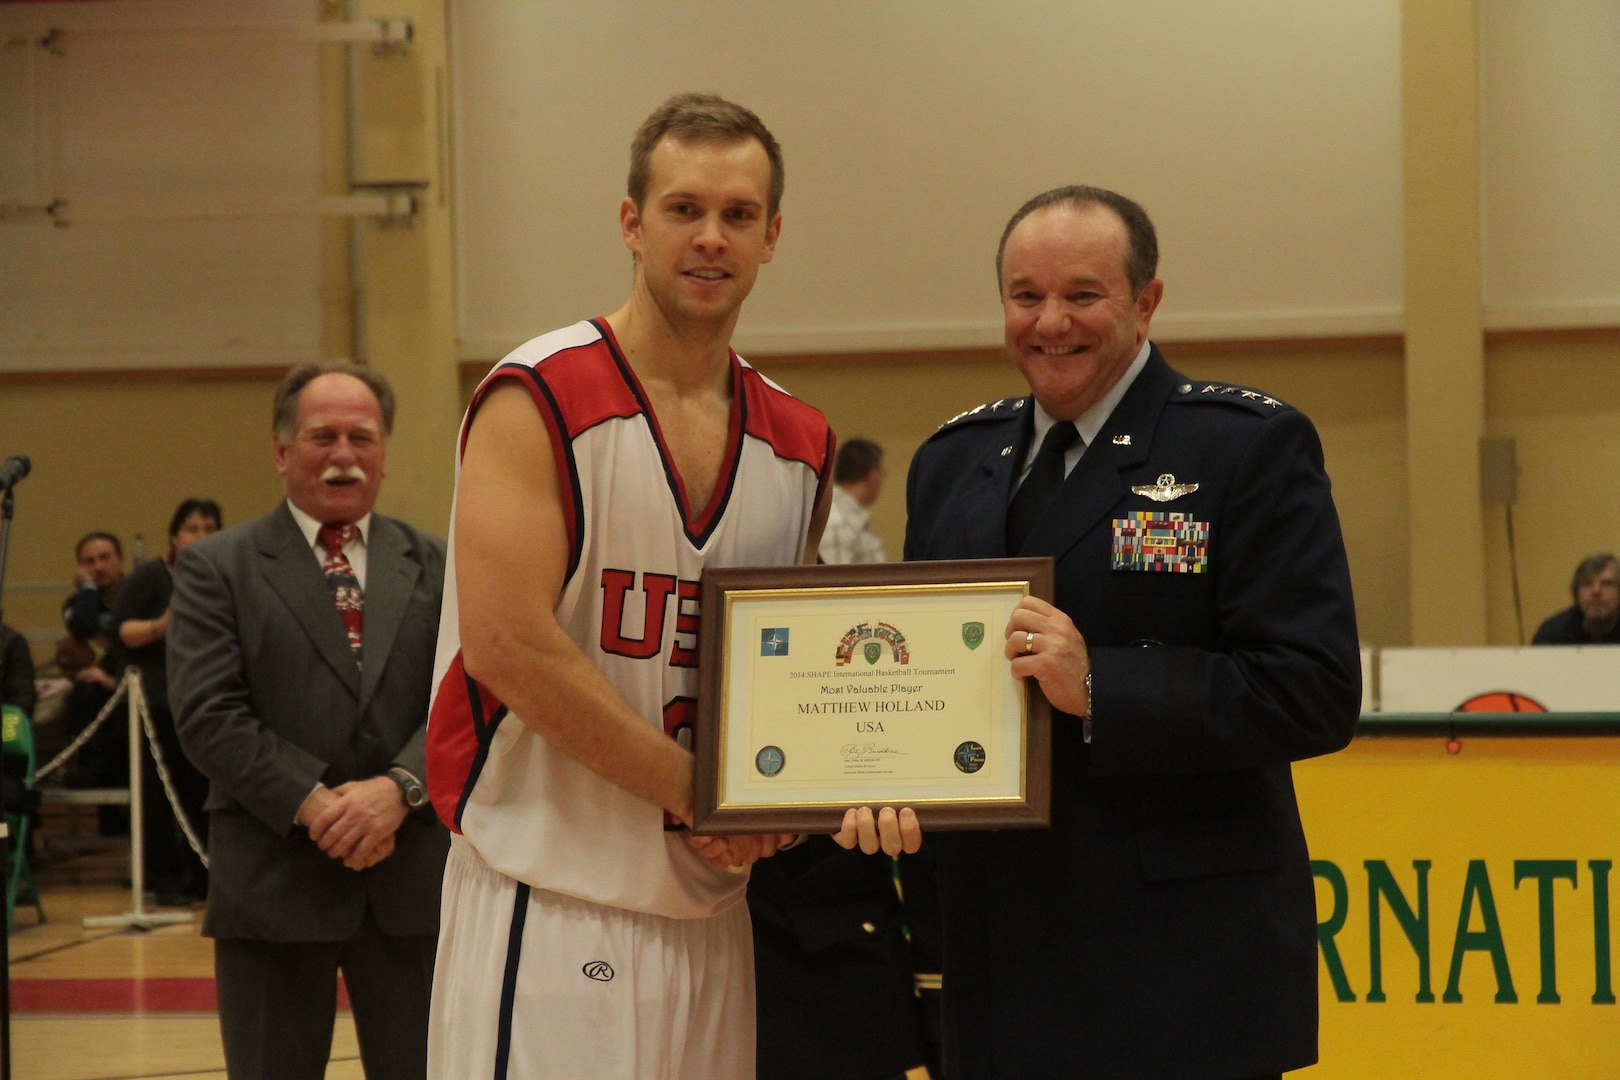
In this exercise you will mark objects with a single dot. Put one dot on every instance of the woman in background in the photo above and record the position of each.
(141, 615)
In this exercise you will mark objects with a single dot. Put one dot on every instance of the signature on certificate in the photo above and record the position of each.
(853, 750)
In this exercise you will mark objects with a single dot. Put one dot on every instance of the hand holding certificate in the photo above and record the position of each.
(890, 831)
(830, 687)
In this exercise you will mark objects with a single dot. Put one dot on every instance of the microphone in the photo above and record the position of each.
(15, 468)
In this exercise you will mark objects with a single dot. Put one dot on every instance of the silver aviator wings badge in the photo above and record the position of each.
(1165, 490)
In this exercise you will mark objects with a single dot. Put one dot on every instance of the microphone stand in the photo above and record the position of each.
(7, 504)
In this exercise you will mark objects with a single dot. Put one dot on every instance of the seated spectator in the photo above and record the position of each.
(16, 671)
(141, 618)
(16, 688)
(87, 612)
(94, 658)
(1594, 618)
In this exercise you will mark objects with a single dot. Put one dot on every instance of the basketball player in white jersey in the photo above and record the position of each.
(585, 933)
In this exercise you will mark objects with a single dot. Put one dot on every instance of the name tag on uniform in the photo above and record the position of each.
(1159, 542)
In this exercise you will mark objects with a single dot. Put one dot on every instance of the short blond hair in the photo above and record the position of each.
(701, 118)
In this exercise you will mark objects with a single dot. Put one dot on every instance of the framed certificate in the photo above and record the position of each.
(826, 687)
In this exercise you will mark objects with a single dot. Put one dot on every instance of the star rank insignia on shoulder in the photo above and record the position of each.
(1006, 407)
(1236, 395)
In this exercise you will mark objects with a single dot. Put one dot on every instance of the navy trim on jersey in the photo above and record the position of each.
(499, 371)
(671, 823)
(729, 463)
(576, 541)
(733, 458)
(485, 733)
(514, 951)
(477, 767)
(824, 474)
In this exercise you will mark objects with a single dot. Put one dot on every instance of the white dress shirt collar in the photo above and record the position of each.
(1089, 423)
(355, 549)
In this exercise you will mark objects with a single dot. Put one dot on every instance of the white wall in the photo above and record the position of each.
(1550, 118)
(164, 118)
(1263, 136)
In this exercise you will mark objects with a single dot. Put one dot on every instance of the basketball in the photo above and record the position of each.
(1501, 701)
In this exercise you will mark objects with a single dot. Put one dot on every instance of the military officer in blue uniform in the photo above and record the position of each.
(1202, 638)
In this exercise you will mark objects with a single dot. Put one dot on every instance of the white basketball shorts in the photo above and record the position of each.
(535, 985)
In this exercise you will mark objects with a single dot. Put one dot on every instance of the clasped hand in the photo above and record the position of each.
(355, 822)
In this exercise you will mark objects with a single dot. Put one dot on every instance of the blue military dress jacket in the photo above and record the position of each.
(1164, 927)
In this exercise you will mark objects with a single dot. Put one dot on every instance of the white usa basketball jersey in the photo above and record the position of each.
(630, 600)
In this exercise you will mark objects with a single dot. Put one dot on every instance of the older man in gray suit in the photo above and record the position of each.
(300, 657)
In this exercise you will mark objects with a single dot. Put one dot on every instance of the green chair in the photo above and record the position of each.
(17, 741)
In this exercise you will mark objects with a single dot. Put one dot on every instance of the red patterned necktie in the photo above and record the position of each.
(346, 591)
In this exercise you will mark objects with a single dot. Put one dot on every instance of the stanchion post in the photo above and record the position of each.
(137, 805)
(5, 977)
(137, 916)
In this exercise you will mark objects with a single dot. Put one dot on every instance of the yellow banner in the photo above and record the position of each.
(1464, 904)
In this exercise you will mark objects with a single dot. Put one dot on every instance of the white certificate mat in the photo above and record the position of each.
(876, 693)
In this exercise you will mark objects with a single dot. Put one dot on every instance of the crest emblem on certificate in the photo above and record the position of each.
(769, 760)
(973, 634)
(871, 641)
(969, 757)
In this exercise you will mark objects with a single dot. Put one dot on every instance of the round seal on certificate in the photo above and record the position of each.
(769, 760)
(969, 757)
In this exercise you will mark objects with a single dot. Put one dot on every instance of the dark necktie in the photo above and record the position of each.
(346, 592)
(1045, 477)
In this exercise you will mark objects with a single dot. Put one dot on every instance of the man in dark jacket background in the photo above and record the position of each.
(1594, 617)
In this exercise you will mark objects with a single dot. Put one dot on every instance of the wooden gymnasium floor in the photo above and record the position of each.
(106, 1004)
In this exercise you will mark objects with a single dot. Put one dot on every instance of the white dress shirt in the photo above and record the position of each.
(355, 549)
(1089, 423)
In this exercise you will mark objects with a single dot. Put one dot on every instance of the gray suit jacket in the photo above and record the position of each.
(268, 701)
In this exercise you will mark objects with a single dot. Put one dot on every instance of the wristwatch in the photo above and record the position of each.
(1085, 721)
(410, 788)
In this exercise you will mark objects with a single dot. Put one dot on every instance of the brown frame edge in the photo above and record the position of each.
(1035, 811)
